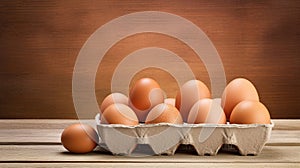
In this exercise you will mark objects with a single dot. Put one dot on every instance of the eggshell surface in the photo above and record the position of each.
(164, 113)
(112, 99)
(250, 112)
(119, 114)
(206, 111)
(236, 91)
(170, 101)
(189, 94)
(144, 95)
(79, 138)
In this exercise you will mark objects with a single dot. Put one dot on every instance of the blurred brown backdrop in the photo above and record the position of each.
(40, 40)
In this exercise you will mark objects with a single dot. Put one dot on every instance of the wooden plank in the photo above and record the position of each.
(30, 136)
(290, 124)
(49, 131)
(284, 137)
(56, 153)
(52, 136)
(38, 123)
(167, 165)
(285, 132)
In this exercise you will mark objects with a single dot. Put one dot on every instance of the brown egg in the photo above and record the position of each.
(189, 94)
(207, 111)
(236, 91)
(119, 114)
(144, 95)
(250, 112)
(164, 113)
(170, 101)
(79, 138)
(112, 99)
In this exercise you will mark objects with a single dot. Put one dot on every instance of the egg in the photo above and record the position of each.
(119, 114)
(112, 99)
(250, 112)
(144, 95)
(164, 113)
(170, 101)
(79, 138)
(189, 94)
(236, 91)
(206, 111)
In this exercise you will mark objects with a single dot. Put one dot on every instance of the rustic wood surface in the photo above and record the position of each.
(48, 131)
(36, 143)
(168, 165)
(40, 40)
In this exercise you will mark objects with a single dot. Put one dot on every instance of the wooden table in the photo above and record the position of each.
(36, 143)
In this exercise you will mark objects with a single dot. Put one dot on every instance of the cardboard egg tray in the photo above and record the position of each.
(164, 138)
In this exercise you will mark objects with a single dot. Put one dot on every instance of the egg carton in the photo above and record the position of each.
(165, 138)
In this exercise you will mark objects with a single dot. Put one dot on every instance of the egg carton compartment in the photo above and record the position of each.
(165, 138)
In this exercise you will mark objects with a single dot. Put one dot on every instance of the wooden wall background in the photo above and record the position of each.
(40, 40)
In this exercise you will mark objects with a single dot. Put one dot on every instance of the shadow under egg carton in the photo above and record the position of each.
(165, 139)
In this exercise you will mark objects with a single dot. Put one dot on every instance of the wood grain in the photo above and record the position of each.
(37, 145)
(167, 165)
(56, 153)
(40, 40)
(52, 137)
(41, 132)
